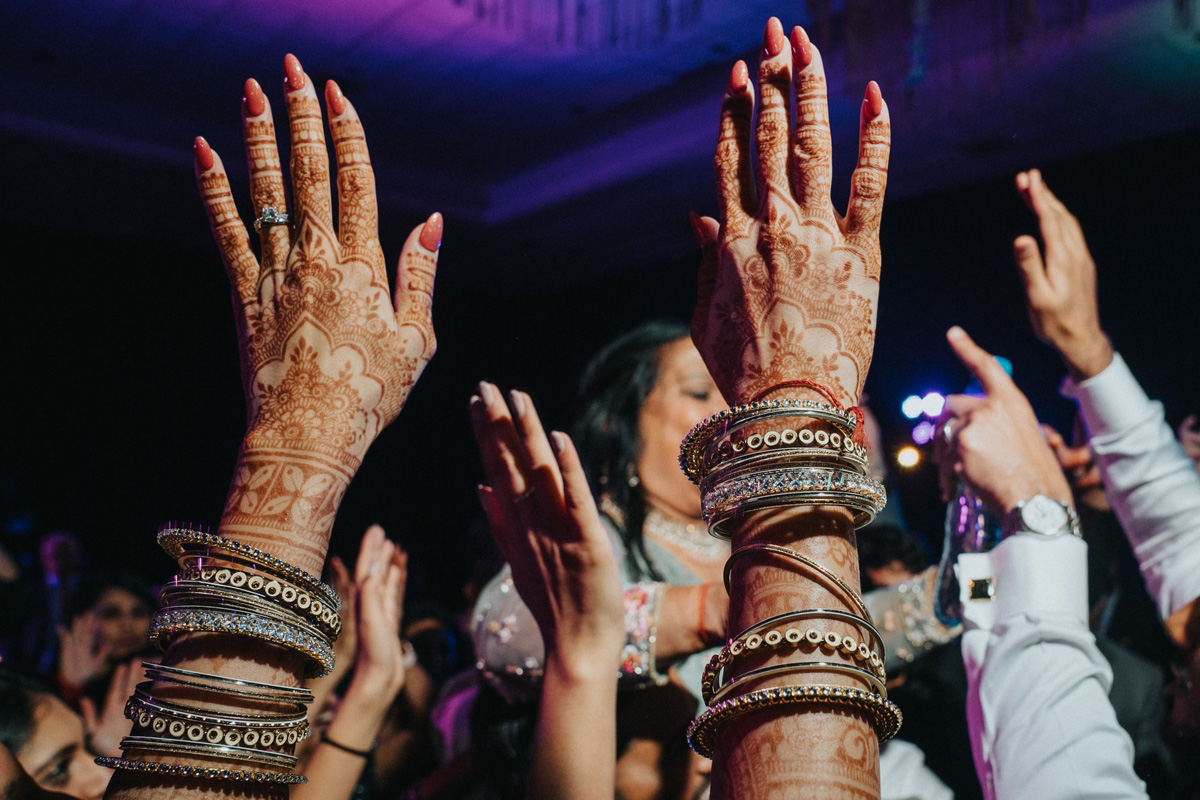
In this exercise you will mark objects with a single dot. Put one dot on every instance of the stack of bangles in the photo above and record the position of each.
(228, 587)
(789, 453)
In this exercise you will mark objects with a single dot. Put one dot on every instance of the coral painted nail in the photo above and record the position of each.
(204, 153)
(739, 79)
(873, 102)
(801, 47)
(335, 99)
(293, 73)
(254, 99)
(773, 38)
(431, 234)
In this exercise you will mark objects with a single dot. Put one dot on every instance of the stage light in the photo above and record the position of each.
(923, 433)
(932, 404)
(908, 457)
(911, 406)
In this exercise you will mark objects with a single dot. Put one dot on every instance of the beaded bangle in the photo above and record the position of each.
(187, 546)
(169, 622)
(179, 722)
(787, 552)
(885, 716)
(158, 744)
(751, 640)
(235, 687)
(296, 600)
(205, 773)
(809, 486)
(873, 680)
(743, 457)
(181, 593)
(692, 449)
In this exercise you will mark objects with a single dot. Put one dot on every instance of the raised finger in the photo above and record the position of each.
(1031, 267)
(227, 228)
(266, 175)
(707, 229)
(773, 130)
(368, 552)
(533, 437)
(310, 159)
(812, 150)
(576, 491)
(358, 211)
(731, 160)
(504, 460)
(500, 520)
(414, 282)
(982, 364)
(869, 181)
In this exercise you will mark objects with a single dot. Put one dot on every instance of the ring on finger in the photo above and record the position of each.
(525, 495)
(271, 216)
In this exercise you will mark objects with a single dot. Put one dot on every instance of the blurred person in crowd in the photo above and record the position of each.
(15, 783)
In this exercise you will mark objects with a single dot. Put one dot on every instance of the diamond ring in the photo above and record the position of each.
(271, 216)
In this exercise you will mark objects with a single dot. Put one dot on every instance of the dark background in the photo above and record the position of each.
(565, 169)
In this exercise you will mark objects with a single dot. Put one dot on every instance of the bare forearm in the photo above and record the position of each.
(679, 633)
(333, 772)
(576, 748)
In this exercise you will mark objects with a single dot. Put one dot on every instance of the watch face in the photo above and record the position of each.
(1043, 515)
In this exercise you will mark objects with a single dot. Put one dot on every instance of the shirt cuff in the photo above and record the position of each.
(1111, 400)
(1024, 574)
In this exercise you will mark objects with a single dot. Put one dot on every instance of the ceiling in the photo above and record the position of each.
(558, 132)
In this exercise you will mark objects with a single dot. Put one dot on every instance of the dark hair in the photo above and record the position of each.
(881, 545)
(614, 386)
(19, 699)
(92, 587)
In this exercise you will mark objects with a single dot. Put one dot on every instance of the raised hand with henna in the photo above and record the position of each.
(328, 352)
(789, 286)
(545, 522)
(1060, 289)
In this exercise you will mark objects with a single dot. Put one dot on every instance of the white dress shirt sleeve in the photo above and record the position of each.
(1153, 486)
(1037, 705)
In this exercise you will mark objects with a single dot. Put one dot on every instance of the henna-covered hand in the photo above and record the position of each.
(1061, 289)
(328, 353)
(788, 286)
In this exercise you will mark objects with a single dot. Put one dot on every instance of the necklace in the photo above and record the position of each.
(693, 538)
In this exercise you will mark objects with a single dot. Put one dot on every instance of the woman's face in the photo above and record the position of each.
(684, 394)
(122, 619)
(55, 755)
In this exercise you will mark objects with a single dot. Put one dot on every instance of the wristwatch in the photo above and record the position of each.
(1042, 516)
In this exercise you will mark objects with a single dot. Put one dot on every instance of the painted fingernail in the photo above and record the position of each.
(801, 47)
(518, 402)
(558, 441)
(739, 79)
(431, 234)
(293, 73)
(773, 38)
(254, 100)
(204, 153)
(335, 99)
(698, 228)
(873, 101)
(485, 392)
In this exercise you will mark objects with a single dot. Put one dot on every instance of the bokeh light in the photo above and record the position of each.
(923, 433)
(932, 404)
(911, 406)
(908, 457)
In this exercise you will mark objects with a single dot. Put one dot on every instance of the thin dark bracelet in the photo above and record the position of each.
(360, 753)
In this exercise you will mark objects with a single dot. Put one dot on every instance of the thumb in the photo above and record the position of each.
(91, 719)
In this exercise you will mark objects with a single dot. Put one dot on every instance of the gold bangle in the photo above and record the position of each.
(204, 773)
(796, 445)
(163, 718)
(157, 744)
(852, 671)
(884, 715)
(271, 589)
(274, 598)
(692, 448)
(733, 493)
(276, 694)
(186, 545)
(787, 552)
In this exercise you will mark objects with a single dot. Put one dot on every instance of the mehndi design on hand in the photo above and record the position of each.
(329, 354)
(789, 288)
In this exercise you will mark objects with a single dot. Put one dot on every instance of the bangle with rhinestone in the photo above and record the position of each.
(187, 546)
(203, 773)
(723, 500)
(787, 552)
(164, 718)
(753, 638)
(296, 696)
(169, 622)
(204, 595)
(884, 715)
(800, 445)
(265, 587)
(158, 744)
(691, 451)
(791, 667)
